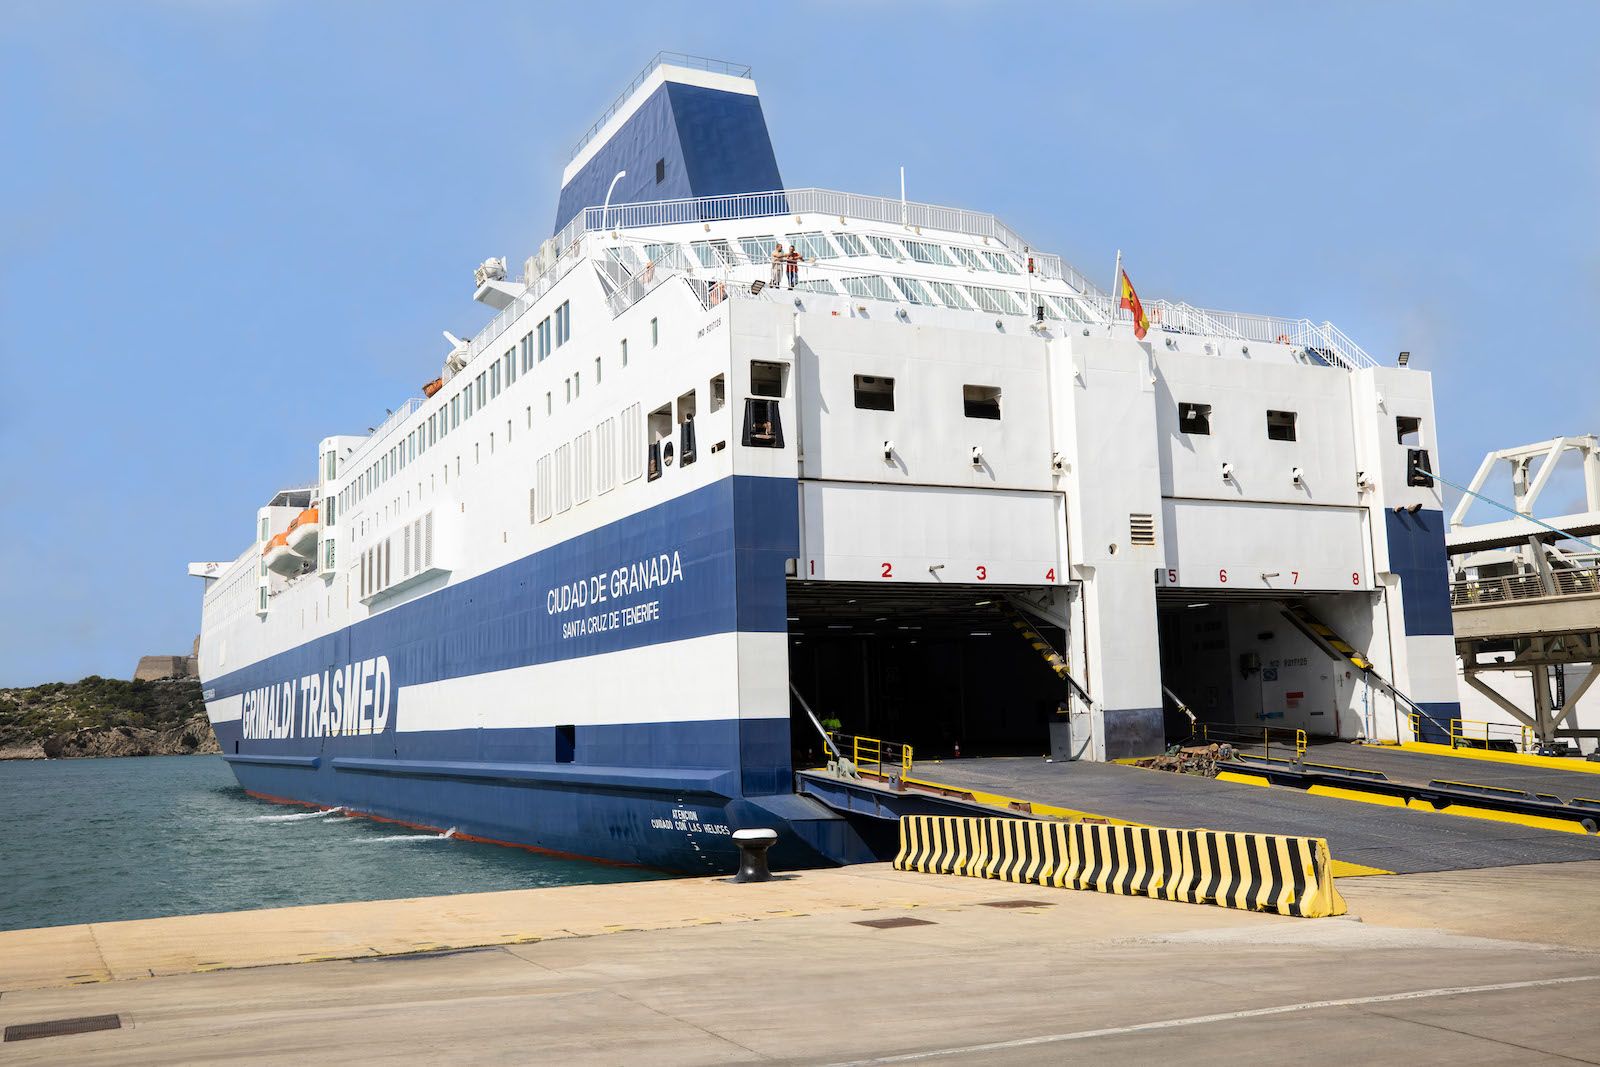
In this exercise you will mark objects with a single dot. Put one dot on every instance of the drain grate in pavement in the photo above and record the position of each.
(891, 924)
(83, 1024)
(1017, 903)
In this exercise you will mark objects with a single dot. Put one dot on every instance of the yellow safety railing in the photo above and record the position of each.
(1237, 734)
(871, 755)
(1475, 733)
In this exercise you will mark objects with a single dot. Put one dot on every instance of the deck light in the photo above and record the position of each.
(1405, 357)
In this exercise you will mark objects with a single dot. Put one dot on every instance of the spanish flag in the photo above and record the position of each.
(1130, 300)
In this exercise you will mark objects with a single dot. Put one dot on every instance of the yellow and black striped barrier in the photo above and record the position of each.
(1251, 872)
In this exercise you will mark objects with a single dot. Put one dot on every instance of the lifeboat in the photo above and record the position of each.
(302, 533)
(280, 557)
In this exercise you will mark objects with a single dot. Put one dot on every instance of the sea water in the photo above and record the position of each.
(95, 840)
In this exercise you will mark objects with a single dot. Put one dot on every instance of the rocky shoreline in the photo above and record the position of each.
(190, 738)
(98, 717)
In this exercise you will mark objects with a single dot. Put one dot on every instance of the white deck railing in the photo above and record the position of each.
(1472, 592)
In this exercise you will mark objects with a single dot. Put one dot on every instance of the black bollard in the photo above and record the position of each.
(753, 845)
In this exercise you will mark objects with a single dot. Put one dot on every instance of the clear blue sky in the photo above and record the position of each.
(229, 228)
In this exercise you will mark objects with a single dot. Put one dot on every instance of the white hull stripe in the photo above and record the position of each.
(681, 681)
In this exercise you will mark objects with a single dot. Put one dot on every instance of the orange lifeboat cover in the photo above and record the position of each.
(277, 539)
(433, 387)
(308, 515)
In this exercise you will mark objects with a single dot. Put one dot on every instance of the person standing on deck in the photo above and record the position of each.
(777, 266)
(794, 266)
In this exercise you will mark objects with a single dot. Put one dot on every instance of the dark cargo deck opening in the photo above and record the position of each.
(939, 668)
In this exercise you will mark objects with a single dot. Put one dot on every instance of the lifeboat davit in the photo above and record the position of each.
(280, 557)
(302, 533)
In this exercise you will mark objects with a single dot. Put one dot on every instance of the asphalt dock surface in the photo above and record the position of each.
(1459, 967)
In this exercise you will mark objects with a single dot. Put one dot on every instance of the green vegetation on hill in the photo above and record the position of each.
(42, 711)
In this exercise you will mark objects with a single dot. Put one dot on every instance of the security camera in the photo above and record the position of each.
(1058, 464)
(888, 451)
(977, 455)
(1363, 483)
(1297, 476)
(1227, 472)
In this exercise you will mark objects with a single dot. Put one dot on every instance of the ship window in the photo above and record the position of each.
(624, 352)
(763, 428)
(758, 249)
(981, 401)
(544, 339)
(868, 287)
(1408, 430)
(481, 385)
(1000, 263)
(767, 379)
(884, 247)
(969, 259)
(874, 394)
(566, 743)
(719, 392)
(995, 301)
(658, 427)
(852, 245)
(661, 171)
(1280, 425)
(686, 428)
(914, 290)
(812, 246)
(1194, 419)
(597, 370)
(950, 296)
(655, 333)
(494, 381)
(926, 252)
(467, 407)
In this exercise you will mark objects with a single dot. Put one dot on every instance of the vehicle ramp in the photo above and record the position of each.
(1385, 838)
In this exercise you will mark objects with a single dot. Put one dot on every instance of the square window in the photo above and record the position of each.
(1408, 430)
(766, 379)
(1194, 419)
(874, 394)
(981, 401)
(719, 392)
(1280, 425)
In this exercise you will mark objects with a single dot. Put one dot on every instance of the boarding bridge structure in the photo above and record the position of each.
(1525, 598)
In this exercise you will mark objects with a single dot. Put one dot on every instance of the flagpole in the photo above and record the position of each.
(1116, 294)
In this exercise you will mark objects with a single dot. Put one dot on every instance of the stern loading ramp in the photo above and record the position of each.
(1392, 839)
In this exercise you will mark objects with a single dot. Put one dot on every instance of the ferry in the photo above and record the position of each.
(740, 476)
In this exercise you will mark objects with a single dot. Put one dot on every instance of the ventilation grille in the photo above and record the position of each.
(1142, 529)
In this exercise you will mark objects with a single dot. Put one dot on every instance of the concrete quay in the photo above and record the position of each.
(1482, 966)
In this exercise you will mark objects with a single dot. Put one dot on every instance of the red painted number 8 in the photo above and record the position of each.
(1355, 577)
